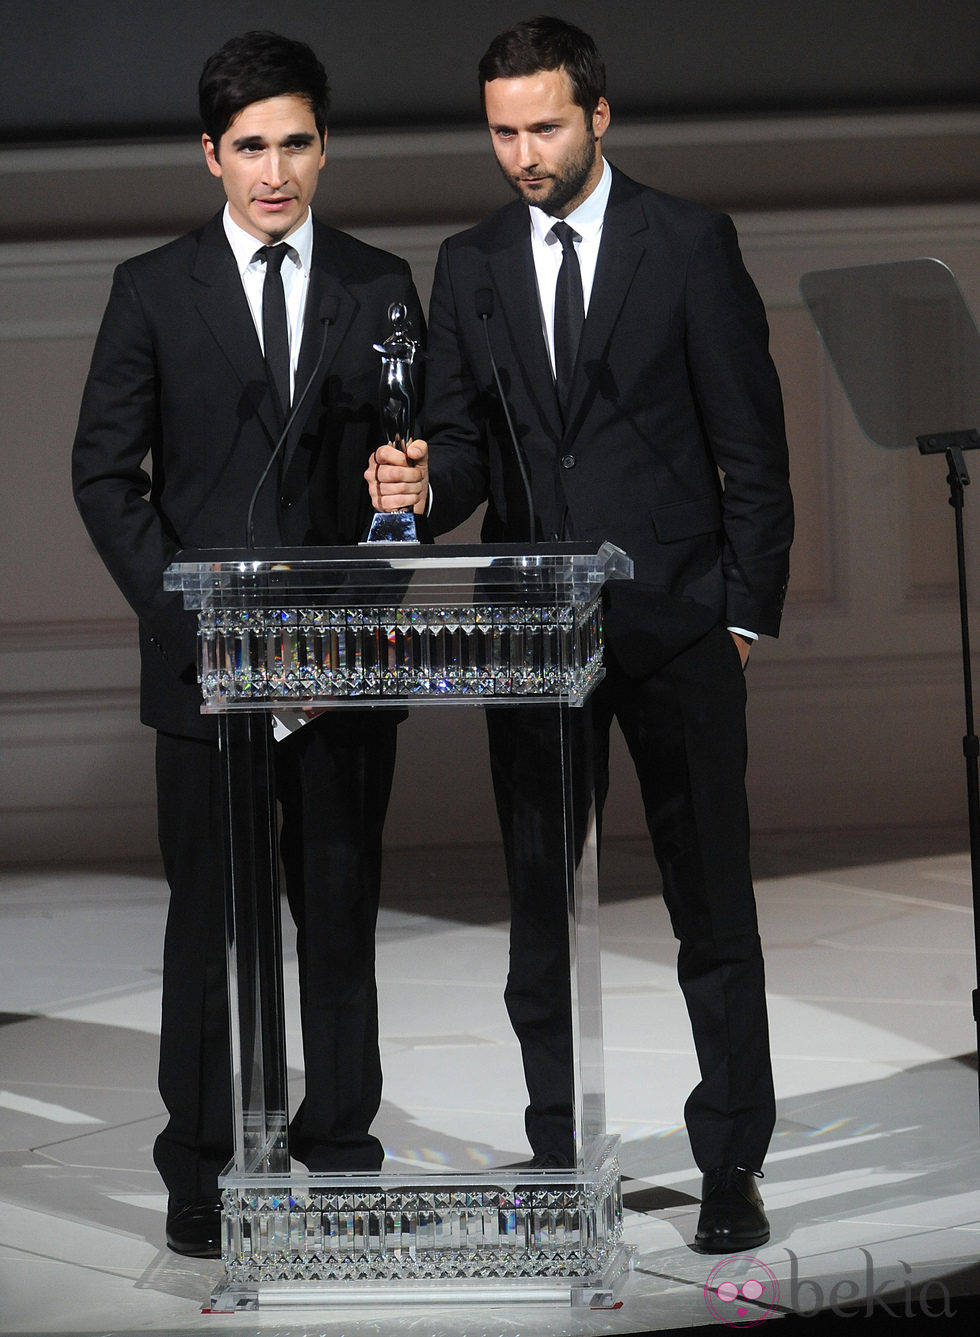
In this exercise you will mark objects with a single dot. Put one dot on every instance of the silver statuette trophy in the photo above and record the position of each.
(397, 401)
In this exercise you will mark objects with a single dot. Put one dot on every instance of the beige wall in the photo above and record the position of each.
(856, 712)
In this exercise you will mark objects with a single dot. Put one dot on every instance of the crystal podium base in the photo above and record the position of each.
(552, 1235)
(381, 628)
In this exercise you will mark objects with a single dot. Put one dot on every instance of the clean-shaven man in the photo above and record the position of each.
(206, 346)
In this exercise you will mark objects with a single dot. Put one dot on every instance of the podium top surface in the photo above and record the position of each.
(421, 573)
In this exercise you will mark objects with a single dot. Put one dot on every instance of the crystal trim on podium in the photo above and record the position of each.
(503, 1235)
(303, 655)
(377, 627)
(307, 626)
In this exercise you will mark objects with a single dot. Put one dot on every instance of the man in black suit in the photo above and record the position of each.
(204, 346)
(632, 350)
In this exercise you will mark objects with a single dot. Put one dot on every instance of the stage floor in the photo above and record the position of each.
(872, 1183)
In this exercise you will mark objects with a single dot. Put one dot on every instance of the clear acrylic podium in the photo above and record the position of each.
(394, 626)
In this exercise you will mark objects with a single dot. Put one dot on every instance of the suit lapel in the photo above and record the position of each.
(224, 308)
(621, 249)
(511, 269)
(330, 309)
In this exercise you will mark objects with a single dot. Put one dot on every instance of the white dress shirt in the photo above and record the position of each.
(295, 279)
(546, 251)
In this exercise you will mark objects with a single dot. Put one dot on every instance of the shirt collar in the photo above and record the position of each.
(244, 245)
(586, 219)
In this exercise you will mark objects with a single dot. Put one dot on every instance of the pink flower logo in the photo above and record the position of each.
(741, 1292)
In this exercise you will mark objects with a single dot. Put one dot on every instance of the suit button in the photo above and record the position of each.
(285, 502)
(568, 461)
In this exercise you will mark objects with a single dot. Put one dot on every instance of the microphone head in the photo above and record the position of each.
(330, 307)
(483, 298)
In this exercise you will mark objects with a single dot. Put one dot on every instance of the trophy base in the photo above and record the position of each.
(393, 527)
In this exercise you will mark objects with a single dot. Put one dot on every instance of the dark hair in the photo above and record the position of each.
(547, 44)
(256, 66)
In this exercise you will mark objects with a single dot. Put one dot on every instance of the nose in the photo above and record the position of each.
(526, 152)
(275, 171)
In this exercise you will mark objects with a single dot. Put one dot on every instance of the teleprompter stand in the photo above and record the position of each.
(952, 445)
(907, 351)
(384, 627)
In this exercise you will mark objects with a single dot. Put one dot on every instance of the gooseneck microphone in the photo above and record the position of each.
(331, 306)
(484, 310)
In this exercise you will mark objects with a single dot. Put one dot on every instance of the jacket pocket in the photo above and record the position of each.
(687, 519)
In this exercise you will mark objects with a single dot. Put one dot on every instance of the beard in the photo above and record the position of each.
(563, 184)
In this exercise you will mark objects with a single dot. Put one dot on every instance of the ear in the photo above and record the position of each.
(600, 118)
(211, 155)
(323, 147)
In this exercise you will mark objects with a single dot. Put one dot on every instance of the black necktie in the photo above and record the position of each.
(569, 312)
(275, 330)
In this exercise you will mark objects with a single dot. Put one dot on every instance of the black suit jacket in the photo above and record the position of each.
(178, 421)
(674, 446)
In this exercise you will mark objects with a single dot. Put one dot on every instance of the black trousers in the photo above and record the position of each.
(685, 729)
(333, 780)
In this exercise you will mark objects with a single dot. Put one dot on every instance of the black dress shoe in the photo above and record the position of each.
(548, 1160)
(732, 1216)
(194, 1228)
